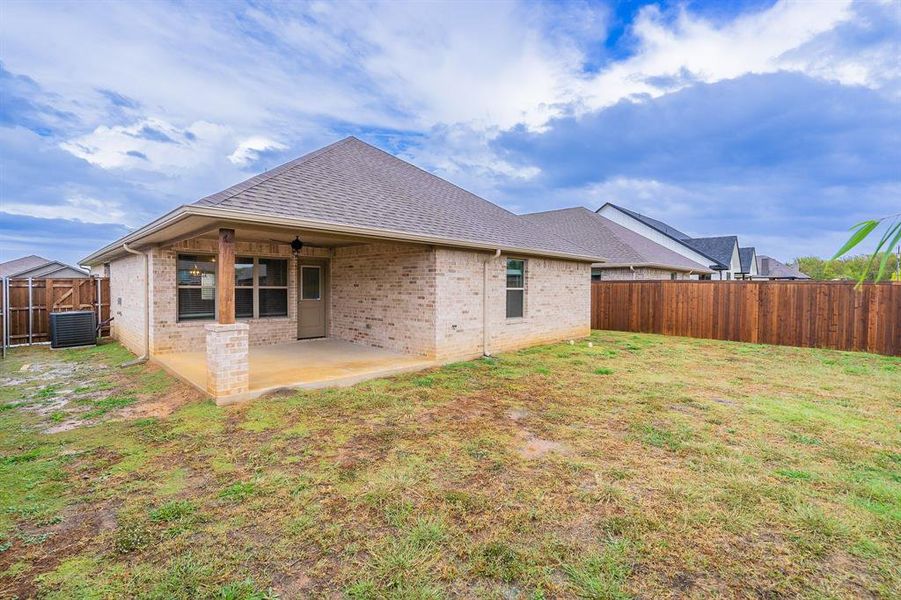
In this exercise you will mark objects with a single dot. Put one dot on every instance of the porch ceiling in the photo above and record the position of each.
(307, 364)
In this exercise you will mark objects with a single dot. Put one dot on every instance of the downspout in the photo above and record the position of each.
(486, 332)
(632, 268)
(142, 359)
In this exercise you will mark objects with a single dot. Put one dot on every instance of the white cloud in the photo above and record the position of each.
(151, 144)
(75, 208)
(249, 150)
(693, 49)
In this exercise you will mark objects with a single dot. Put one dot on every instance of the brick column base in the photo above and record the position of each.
(227, 359)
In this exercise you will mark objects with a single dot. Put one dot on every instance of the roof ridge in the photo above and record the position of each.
(430, 174)
(267, 175)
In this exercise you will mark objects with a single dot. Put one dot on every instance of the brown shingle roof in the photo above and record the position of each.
(352, 183)
(619, 245)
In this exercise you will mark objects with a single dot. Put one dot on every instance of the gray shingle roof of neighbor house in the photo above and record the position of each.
(675, 234)
(770, 267)
(353, 183)
(718, 248)
(621, 246)
(357, 187)
(658, 225)
(745, 256)
(38, 266)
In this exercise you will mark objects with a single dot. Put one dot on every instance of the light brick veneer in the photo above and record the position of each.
(409, 298)
(557, 303)
(227, 359)
(127, 302)
(383, 295)
(640, 273)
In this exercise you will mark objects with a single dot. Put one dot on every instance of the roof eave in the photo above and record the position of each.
(241, 216)
(651, 265)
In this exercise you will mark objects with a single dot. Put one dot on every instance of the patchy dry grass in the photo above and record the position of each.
(642, 466)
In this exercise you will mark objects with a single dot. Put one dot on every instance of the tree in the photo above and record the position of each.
(891, 237)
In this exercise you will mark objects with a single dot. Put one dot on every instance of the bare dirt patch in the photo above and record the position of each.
(533, 447)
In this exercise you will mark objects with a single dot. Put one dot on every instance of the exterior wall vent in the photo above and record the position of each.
(77, 328)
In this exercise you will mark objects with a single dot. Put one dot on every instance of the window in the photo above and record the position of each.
(244, 287)
(728, 276)
(196, 281)
(310, 279)
(597, 274)
(261, 287)
(672, 276)
(272, 274)
(705, 277)
(516, 280)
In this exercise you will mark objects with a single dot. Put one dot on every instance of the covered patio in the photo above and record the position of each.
(308, 364)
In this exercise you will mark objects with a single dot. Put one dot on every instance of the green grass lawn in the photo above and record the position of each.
(642, 466)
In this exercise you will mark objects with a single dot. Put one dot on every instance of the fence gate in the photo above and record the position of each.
(27, 304)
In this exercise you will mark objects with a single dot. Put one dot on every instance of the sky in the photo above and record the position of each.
(779, 122)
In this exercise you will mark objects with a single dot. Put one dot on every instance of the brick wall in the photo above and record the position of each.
(227, 359)
(408, 298)
(640, 273)
(167, 334)
(557, 303)
(170, 335)
(127, 302)
(383, 295)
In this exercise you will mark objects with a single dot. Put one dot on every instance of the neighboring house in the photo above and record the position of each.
(772, 269)
(722, 249)
(748, 258)
(628, 255)
(348, 243)
(38, 267)
(720, 254)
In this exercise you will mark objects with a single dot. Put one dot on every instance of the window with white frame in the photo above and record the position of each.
(597, 274)
(516, 287)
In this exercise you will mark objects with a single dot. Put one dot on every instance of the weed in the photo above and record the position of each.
(603, 371)
(601, 576)
(238, 492)
(498, 560)
(173, 511)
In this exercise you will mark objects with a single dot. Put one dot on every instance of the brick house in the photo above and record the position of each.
(382, 265)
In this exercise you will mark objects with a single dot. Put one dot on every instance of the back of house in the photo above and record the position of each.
(351, 243)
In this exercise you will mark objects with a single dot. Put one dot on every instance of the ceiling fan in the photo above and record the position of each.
(296, 244)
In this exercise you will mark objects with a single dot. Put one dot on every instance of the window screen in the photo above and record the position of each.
(516, 270)
(597, 274)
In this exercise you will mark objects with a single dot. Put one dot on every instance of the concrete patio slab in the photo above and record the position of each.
(307, 364)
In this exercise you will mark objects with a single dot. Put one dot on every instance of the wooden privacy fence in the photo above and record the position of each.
(27, 304)
(809, 314)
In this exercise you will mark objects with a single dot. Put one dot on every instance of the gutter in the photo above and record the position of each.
(486, 332)
(314, 225)
(681, 269)
(142, 359)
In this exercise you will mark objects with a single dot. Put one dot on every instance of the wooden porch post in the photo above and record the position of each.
(225, 275)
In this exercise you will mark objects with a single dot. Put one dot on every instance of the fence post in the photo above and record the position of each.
(30, 314)
(99, 303)
(5, 338)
